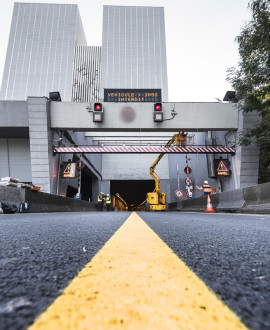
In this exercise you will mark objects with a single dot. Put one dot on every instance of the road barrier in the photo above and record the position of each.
(257, 199)
(254, 199)
(43, 202)
(232, 200)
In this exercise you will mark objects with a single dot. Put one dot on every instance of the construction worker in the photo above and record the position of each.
(182, 138)
(206, 188)
(108, 202)
(100, 201)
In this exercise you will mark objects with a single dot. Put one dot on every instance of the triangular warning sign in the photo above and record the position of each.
(67, 169)
(222, 167)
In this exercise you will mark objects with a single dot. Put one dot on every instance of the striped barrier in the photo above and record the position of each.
(139, 149)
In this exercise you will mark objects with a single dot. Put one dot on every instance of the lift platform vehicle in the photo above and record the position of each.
(156, 200)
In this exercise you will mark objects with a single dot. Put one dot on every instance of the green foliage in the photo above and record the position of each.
(251, 80)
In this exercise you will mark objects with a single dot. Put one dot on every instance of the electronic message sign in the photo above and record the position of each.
(132, 95)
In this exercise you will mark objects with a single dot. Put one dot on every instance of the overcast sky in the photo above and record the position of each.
(200, 38)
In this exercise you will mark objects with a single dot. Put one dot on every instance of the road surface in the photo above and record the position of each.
(130, 270)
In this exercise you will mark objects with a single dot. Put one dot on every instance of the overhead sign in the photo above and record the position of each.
(178, 193)
(80, 164)
(132, 95)
(222, 167)
(69, 170)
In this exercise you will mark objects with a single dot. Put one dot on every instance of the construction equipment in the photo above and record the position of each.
(156, 200)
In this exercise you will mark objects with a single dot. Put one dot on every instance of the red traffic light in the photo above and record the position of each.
(97, 107)
(157, 107)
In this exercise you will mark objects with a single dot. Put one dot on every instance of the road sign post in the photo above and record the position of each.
(79, 165)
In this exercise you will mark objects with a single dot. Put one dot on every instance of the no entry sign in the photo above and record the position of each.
(80, 164)
(187, 170)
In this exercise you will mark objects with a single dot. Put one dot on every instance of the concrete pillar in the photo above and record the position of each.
(247, 158)
(40, 146)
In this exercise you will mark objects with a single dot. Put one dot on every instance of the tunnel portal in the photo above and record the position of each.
(132, 191)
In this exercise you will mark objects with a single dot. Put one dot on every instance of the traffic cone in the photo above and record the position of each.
(209, 208)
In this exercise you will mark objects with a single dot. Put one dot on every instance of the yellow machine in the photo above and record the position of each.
(156, 200)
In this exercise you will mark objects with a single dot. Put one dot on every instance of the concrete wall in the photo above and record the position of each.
(190, 117)
(13, 114)
(132, 166)
(42, 202)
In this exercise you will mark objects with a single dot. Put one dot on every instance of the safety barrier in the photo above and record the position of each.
(254, 199)
(257, 199)
(43, 202)
(232, 200)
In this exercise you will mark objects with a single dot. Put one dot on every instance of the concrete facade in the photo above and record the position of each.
(86, 74)
(134, 48)
(40, 50)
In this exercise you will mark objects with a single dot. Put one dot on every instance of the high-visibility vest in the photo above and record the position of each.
(99, 198)
(207, 188)
(108, 200)
(181, 137)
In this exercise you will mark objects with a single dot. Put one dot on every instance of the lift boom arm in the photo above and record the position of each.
(152, 168)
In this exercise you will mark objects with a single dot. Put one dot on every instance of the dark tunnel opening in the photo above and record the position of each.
(132, 191)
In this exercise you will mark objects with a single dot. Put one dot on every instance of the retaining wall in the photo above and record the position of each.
(43, 202)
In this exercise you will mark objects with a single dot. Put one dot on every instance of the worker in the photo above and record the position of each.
(206, 188)
(108, 202)
(182, 138)
(100, 200)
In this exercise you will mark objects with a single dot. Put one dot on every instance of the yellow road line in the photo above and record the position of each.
(137, 282)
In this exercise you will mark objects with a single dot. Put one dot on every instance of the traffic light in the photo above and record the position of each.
(158, 113)
(98, 113)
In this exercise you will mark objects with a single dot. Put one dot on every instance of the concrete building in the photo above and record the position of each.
(47, 52)
(134, 48)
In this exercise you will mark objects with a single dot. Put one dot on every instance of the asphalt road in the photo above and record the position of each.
(230, 253)
(41, 253)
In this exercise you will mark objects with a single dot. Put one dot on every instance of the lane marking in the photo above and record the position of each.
(136, 282)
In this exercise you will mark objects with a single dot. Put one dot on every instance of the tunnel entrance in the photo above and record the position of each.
(132, 191)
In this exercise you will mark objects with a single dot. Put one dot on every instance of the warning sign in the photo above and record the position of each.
(221, 167)
(68, 170)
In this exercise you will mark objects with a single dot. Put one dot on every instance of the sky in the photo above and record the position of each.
(200, 40)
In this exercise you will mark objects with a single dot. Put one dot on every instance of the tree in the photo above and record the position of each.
(251, 80)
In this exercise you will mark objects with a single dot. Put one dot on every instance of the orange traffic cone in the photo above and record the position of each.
(209, 208)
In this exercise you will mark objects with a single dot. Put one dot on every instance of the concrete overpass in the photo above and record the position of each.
(138, 117)
(42, 125)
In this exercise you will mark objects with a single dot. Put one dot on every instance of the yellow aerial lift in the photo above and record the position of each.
(156, 200)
